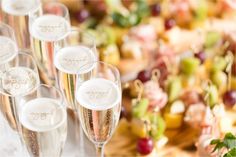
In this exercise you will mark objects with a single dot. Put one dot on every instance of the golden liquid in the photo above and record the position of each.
(44, 139)
(45, 144)
(68, 86)
(44, 35)
(21, 28)
(43, 52)
(99, 125)
(7, 107)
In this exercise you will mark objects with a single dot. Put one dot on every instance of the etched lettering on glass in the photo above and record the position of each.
(18, 83)
(41, 115)
(75, 61)
(52, 28)
(98, 94)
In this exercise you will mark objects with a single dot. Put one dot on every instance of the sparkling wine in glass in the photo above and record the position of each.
(15, 13)
(44, 122)
(75, 50)
(99, 96)
(18, 78)
(47, 27)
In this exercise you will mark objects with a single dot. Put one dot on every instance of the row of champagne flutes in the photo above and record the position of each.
(67, 59)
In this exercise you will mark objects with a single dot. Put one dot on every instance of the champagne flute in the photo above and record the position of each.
(15, 13)
(51, 25)
(8, 47)
(18, 77)
(75, 50)
(99, 96)
(44, 122)
(8, 50)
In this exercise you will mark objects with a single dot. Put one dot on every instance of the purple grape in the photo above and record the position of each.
(201, 56)
(145, 146)
(169, 23)
(229, 98)
(144, 76)
(82, 15)
(155, 9)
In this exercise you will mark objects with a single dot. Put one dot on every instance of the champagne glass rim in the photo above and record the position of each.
(25, 52)
(2, 25)
(93, 64)
(64, 7)
(35, 65)
(82, 31)
(75, 31)
(54, 88)
(37, 4)
(8, 32)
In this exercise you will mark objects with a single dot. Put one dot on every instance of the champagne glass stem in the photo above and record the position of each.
(100, 150)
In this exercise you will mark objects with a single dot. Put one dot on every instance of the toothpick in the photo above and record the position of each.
(169, 67)
(146, 127)
(193, 48)
(156, 75)
(230, 59)
(207, 88)
(139, 87)
(125, 85)
(225, 46)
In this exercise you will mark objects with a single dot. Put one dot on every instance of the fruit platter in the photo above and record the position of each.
(178, 70)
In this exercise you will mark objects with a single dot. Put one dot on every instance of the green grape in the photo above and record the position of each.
(201, 10)
(106, 35)
(219, 78)
(212, 38)
(140, 109)
(213, 96)
(157, 126)
(174, 88)
(189, 65)
(219, 64)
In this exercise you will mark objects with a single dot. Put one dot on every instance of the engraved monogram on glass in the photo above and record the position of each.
(76, 61)
(17, 6)
(17, 83)
(50, 28)
(98, 94)
(41, 115)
